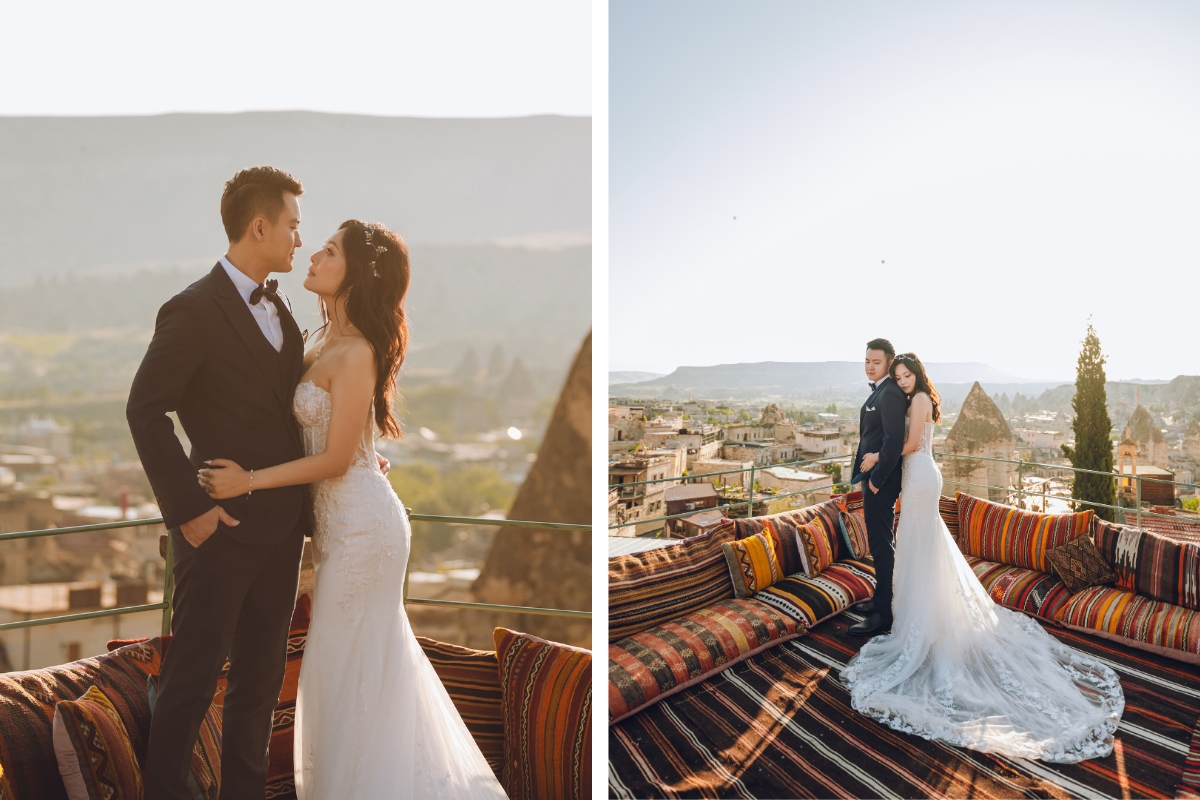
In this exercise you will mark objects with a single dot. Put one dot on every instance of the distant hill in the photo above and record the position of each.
(630, 376)
(777, 378)
(118, 194)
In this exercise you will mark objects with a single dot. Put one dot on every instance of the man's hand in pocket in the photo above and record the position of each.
(199, 529)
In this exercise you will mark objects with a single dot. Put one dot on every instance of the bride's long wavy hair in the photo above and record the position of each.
(375, 285)
(923, 384)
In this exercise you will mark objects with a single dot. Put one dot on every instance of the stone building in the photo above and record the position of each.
(980, 430)
(1152, 445)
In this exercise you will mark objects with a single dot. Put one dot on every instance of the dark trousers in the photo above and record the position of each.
(232, 600)
(879, 511)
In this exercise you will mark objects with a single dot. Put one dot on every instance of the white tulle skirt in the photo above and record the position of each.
(959, 668)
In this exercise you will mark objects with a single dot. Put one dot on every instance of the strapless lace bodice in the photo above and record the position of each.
(312, 407)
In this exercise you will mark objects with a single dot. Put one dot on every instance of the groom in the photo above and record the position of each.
(881, 430)
(226, 357)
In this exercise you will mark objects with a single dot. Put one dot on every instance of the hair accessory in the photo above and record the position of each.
(379, 249)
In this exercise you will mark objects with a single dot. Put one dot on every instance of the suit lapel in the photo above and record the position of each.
(291, 357)
(243, 322)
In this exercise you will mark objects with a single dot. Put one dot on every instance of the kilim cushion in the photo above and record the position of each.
(648, 666)
(6, 791)
(1080, 564)
(812, 600)
(1169, 630)
(95, 757)
(818, 546)
(659, 585)
(27, 703)
(948, 509)
(782, 528)
(547, 706)
(854, 532)
(753, 564)
(1038, 594)
(204, 779)
(472, 679)
(1010, 536)
(1151, 564)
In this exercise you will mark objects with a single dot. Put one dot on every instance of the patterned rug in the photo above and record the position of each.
(780, 725)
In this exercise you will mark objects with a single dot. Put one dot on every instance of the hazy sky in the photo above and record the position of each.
(449, 58)
(1018, 165)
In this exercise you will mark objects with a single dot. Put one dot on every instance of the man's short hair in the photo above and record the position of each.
(874, 344)
(254, 192)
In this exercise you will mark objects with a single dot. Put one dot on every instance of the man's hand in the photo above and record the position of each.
(384, 466)
(873, 489)
(198, 530)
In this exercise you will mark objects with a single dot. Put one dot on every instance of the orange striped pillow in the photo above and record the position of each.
(1010, 536)
(753, 564)
(91, 743)
(817, 548)
(547, 705)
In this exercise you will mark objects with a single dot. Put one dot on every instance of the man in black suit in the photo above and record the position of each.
(226, 357)
(881, 431)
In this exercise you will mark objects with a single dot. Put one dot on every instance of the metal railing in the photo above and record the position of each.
(1016, 491)
(165, 605)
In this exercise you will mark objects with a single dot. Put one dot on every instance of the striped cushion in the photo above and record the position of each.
(948, 508)
(811, 600)
(783, 528)
(1007, 535)
(819, 545)
(1151, 564)
(655, 586)
(6, 790)
(648, 666)
(28, 699)
(753, 564)
(854, 533)
(204, 781)
(1038, 594)
(95, 755)
(1169, 630)
(547, 707)
(472, 679)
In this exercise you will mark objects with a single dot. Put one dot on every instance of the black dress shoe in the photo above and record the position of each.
(876, 623)
(865, 607)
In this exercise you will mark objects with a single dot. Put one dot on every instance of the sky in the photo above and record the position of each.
(450, 58)
(970, 180)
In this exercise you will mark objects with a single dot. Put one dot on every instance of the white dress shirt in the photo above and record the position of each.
(265, 313)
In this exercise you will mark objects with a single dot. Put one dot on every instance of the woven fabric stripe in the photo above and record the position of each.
(654, 586)
(819, 545)
(547, 710)
(811, 600)
(104, 753)
(6, 790)
(1035, 593)
(854, 524)
(784, 526)
(753, 564)
(472, 679)
(1133, 617)
(1010, 536)
(1151, 564)
(644, 667)
(1189, 784)
(948, 509)
(27, 701)
(780, 724)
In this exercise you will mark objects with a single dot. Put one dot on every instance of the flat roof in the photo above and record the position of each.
(689, 491)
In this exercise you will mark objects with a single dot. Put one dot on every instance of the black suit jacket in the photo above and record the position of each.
(210, 363)
(881, 430)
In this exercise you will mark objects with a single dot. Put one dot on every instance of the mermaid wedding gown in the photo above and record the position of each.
(372, 718)
(959, 668)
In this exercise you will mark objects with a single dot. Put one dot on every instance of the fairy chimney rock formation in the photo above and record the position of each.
(1191, 442)
(982, 431)
(772, 415)
(1152, 445)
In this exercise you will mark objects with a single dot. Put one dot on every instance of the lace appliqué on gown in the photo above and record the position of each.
(373, 719)
(959, 668)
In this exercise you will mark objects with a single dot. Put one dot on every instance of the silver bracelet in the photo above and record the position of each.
(251, 491)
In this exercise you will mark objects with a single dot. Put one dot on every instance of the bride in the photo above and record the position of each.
(956, 666)
(372, 718)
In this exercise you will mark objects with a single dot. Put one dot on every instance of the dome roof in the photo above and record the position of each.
(979, 423)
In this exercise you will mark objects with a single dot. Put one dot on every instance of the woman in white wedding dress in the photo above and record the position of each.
(373, 720)
(956, 666)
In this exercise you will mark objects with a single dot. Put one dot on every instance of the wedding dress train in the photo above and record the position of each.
(959, 668)
(372, 718)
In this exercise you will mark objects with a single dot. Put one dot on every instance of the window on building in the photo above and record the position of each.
(74, 651)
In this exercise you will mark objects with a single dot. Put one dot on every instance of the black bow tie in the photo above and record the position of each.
(268, 290)
(872, 385)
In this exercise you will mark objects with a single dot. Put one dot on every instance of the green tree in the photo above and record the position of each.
(831, 408)
(835, 470)
(1093, 432)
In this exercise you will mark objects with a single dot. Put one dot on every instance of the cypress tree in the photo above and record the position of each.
(1093, 432)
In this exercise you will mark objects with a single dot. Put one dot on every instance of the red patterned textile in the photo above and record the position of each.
(472, 679)
(1010, 536)
(648, 666)
(1038, 594)
(854, 529)
(1151, 564)
(547, 705)
(95, 756)
(812, 600)
(1169, 630)
(948, 509)
(784, 527)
